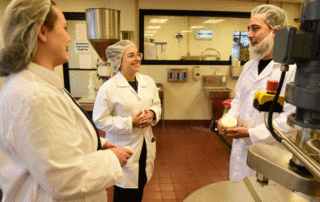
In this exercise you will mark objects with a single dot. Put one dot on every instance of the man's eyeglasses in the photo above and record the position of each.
(138, 55)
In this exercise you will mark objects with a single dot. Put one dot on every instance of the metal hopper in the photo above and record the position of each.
(103, 28)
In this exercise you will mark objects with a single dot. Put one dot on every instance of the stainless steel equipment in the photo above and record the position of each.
(246, 190)
(299, 169)
(103, 28)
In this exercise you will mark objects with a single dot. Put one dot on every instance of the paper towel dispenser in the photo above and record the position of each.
(196, 73)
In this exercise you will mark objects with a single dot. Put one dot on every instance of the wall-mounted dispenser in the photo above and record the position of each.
(196, 73)
(224, 79)
(178, 75)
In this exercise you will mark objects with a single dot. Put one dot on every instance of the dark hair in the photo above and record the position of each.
(51, 17)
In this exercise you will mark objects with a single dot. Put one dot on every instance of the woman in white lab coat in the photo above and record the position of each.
(48, 145)
(264, 21)
(125, 108)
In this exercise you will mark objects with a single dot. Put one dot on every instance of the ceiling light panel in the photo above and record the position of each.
(197, 27)
(213, 21)
(153, 27)
(158, 20)
(186, 31)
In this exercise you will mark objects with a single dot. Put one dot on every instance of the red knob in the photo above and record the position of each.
(272, 86)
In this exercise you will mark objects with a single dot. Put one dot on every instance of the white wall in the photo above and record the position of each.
(186, 101)
(182, 101)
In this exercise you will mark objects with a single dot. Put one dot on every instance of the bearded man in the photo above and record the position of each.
(264, 22)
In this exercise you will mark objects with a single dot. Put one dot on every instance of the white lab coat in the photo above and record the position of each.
(48, 148)
(114, 106)
(242, 108)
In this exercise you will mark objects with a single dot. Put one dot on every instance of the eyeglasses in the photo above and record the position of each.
(138, 55)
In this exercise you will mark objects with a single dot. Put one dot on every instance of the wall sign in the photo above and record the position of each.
(81, 47)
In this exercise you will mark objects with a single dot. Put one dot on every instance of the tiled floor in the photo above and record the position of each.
(188, 158)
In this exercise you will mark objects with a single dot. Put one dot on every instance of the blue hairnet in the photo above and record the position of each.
(273, 15)
(21, 22)
(115, 52)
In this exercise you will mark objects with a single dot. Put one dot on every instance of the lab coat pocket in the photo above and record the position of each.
(153, 148)
(151, 158)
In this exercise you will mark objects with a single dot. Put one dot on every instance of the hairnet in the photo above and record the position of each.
(115, 52)
(21, 21)
(273, 15)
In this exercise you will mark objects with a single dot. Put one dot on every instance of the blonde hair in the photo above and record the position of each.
(22, 19)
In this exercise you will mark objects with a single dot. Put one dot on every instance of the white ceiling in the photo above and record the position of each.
(275, 1)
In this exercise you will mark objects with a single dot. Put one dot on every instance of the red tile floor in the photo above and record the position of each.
(188, 158)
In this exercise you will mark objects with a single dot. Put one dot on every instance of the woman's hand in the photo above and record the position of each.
(136, 119)
(142, 119)
(147, 118)
(122, 154)
(108, 145)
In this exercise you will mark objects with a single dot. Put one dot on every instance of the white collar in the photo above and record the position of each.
(46, 74)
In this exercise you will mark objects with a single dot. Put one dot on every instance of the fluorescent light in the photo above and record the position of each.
(197, 27)
(153, 27)
(149, 31)
(158, 20)
(186, 31)
(148, 34)
(213, 21)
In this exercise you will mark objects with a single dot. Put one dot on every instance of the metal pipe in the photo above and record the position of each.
(307, 161)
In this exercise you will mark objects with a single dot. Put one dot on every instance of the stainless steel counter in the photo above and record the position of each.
(247, 190)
